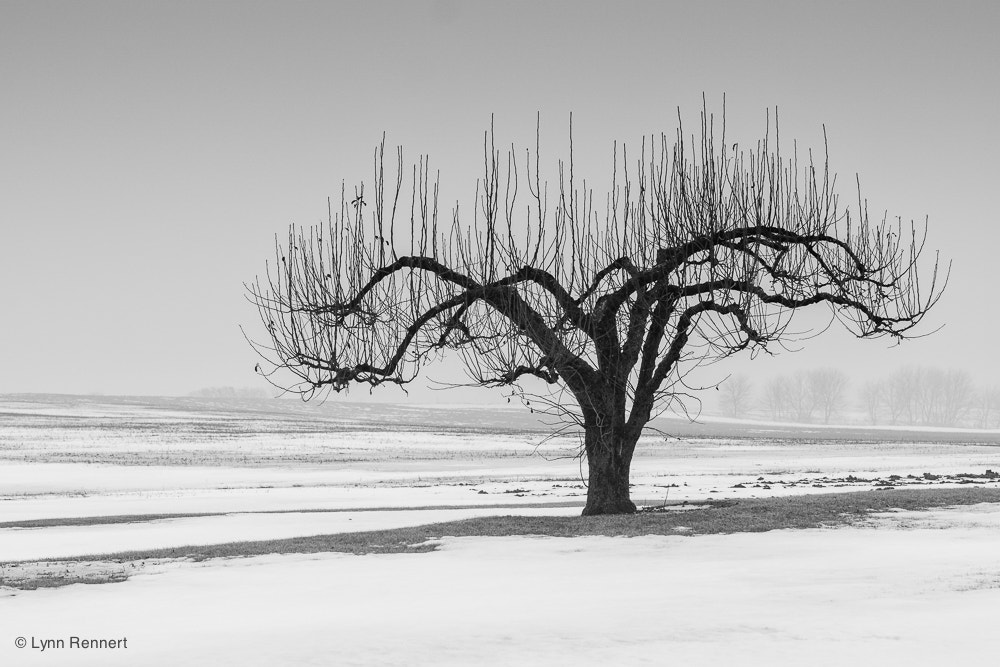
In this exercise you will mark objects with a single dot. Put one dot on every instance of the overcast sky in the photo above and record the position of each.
(150, 151)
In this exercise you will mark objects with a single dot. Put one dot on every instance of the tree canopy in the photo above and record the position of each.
(697, 250)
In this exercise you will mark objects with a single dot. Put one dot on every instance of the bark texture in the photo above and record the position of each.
(609, 458)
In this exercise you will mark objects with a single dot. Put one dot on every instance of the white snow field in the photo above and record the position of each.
(887, 594)
(908, 588)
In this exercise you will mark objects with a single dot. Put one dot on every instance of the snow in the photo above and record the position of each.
(844, 429)
(900, 591)
(293, 500)
(907, 588)
(20, 544)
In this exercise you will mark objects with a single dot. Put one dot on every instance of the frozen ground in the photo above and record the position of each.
(901, 591)
(911, 589)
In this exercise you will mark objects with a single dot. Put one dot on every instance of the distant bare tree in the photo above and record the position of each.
(802, 400)
(928, 396)
(698, 251)
(826, 389)
(776, 400)
(938, 397)
(872, 398)
(791, 397)
(737, 395)
(954, 393)
(900, 392)
(988, 404)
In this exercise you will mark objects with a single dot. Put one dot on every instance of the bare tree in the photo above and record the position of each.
(776, 399)
(791, 397)
(951, 395)
(737, 394)
(988, 403)
(872, 398)
(827, 387)
(699, 250)
(925, 395)
(800, 397)
(901, 391)
(929, 396)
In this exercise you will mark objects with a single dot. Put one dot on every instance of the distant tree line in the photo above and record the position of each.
(238, 393)
(915, 395)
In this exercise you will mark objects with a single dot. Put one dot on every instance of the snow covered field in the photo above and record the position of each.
(889, 594)
(911, 588)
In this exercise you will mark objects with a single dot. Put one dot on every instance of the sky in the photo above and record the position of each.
(151, 151)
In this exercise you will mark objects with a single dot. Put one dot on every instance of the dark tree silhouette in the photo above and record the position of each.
(699, 250)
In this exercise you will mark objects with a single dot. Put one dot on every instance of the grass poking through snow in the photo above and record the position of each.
(715, 517)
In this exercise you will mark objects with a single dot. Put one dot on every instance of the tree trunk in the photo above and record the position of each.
(608, 460)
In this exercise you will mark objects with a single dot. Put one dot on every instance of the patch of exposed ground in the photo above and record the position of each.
(886, 482)
(714, 517)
